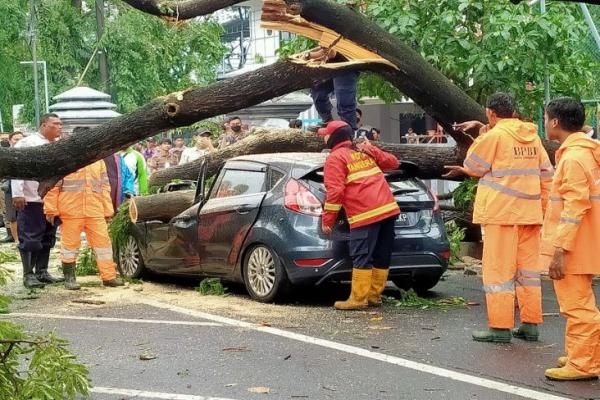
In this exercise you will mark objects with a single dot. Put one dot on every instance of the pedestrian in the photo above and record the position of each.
(136, 163)
(295, 123)
(151, 149)
(374, 135)
(233, 132)
(9, 212)
(203, 146)
(354, 181)
(343, 85)
(412, 137)
(570, 235)
(178, 148)
(515, 173)
(162, 158)
(36, 235)
(81, 202)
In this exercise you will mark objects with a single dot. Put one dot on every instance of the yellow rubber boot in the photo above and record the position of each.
(562, 361)
(378, 281)
(567, 374)
(361, 283)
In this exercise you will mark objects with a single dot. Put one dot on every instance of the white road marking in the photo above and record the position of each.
(105, 319)
(151, 395)
(402, 362)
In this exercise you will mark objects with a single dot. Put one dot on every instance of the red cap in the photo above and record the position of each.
(331, 127)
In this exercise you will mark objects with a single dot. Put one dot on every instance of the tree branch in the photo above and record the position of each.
(60, 158)
(180, 10)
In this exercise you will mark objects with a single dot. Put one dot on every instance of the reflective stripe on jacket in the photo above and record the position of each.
(354, 180)
(572, 219)
(82, 194)
(515, 174)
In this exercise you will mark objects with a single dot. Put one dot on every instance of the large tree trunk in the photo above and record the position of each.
(160, 207)
(430, 159)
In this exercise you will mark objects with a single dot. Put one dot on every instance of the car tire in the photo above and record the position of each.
(402, 283)
(264, 277)
(422, 284)
(131, 264)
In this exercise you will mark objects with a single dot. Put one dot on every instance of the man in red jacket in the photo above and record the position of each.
(354, 180)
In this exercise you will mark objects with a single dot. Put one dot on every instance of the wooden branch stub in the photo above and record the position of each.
(172, 109)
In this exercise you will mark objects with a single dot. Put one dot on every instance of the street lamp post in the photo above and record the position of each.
(45, 81)
(34, 65)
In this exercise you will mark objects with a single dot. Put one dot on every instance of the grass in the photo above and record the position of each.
(410, 299)
(211, 287)
(8, 256)
(86, 263)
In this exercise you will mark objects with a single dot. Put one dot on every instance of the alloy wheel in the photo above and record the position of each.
(261, 271)
(129, 257)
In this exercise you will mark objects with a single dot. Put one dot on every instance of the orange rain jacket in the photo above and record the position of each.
(354, 180)
(515, 173)
(82, 194)
(573, 216)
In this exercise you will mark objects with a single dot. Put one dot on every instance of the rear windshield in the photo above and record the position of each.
(397, 179)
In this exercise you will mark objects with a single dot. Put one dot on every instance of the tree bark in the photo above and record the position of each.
(180, 10)
(160, 207)
(430, 159)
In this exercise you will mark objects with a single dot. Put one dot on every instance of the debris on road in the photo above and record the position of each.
(260, 390)
(236, 349)
(147, 355)
(87, 301)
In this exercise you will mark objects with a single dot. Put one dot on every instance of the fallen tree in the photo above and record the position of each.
(160, 207)
(430, 159)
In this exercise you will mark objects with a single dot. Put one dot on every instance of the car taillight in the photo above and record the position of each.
(299, 199)
(311, 262)
(445, 255)
(436, 202)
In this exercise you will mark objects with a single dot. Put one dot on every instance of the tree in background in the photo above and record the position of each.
(147, 56)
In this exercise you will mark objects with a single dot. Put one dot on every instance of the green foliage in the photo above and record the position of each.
(464, 194)
(39, 367)
(86, 263)
(295, 45)
(456, 235)
(147, 56)
(486, 46)
(119, 229)
(8, 256)
(410, 299)
(211, 287)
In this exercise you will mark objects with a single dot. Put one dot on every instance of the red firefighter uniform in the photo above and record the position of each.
(82, 201)
(572, 223)
(515, 175)
(354, 180)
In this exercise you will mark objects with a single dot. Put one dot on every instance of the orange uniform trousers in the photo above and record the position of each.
(511, 266)
(96, 231)
(582, 334)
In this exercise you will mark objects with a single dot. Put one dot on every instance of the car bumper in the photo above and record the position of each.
(402, 266)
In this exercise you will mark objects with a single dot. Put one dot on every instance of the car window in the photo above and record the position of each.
(237, 182)
(275, 177)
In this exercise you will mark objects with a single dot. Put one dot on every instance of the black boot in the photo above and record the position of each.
(29, 279)
(42, 258)
(69, 273)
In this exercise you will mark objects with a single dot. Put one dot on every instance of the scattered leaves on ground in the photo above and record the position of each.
(211, 287)
(410, 299)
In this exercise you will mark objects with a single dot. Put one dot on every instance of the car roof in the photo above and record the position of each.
(304, 161)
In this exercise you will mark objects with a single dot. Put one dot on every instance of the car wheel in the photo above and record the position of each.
(422, 284)
(131, 264)
(264, 276)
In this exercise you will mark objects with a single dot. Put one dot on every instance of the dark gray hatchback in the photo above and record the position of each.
(259, 223)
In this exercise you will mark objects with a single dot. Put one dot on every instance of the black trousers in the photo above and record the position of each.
(372, 245)
(35, 233)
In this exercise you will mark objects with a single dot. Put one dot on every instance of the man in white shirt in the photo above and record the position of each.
(36, 235)
(203, 147)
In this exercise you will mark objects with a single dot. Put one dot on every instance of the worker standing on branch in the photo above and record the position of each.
(515, 179)
(81, 202)
(570, 236)
(354, 180)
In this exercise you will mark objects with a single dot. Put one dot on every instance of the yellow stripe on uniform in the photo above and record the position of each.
(373, 213)
(332, 207)
(362, 174)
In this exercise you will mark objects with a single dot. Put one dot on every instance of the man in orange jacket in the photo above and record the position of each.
(570, 238)
(515, 175)
(81, 202)
(354, 180)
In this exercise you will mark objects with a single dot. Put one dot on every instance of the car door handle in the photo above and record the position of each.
(245, 209)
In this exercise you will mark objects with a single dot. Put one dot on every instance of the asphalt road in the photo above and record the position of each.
(309, 352)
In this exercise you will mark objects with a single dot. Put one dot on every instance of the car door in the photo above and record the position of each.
(227, 216)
